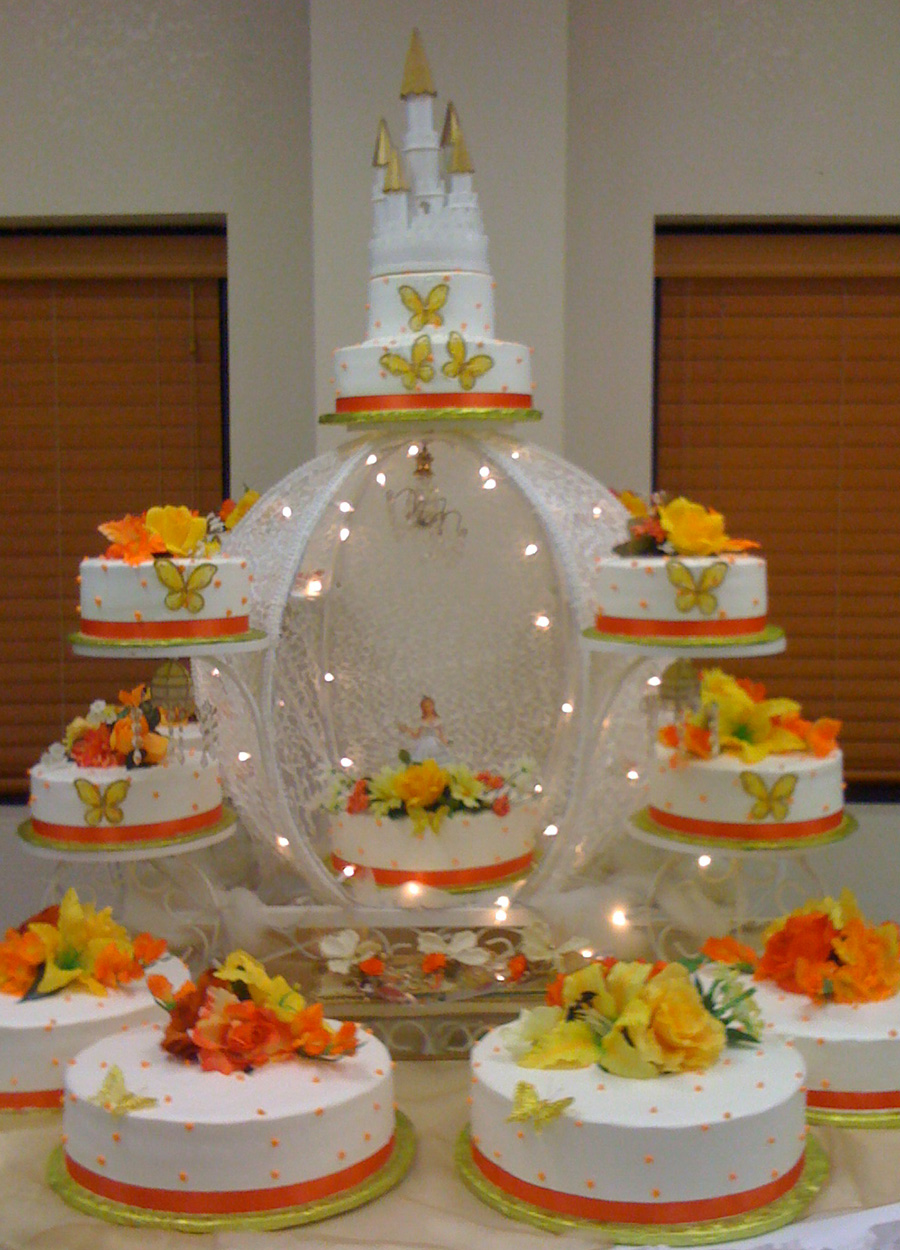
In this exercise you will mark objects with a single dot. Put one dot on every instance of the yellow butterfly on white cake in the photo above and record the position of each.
(417, 369)
(696, 592)
(528, 1107)
(184, 592)
(102, 803)
(774, 801)
(425, 312)
(458, 367)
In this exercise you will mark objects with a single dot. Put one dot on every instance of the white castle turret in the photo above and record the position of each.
(430, 348)
(431, 218)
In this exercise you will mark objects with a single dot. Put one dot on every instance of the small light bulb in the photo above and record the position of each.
(503, 901)
(348, 870)
(654, 681)
(542, 621)
(214, 672)
(313, 587)
(243, 756)
(514, 455)
(489, 484)
(633, 774)
(618, 918)
(587, 953)
(346, 761)
(551, 831)
(380, 479)
(373, 459)
(281, 702)
(328, 676)
(287, 511)
(500, 915)
(531, 549)
(344, 534)
(704, 861)
(282, 840)
(484, 471)
(413, 889)
(344, 506)
(412, 449)
(539, 789)
(499, 976)
(567, 708)
(597, 511)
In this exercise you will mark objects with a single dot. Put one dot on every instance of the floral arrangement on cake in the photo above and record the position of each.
(428, 792)
(113, 735)
(667, 526)
(634, 1019)
(172, 531)
(236, 1018)
(735, 716)
(73, 946)
(825, 949)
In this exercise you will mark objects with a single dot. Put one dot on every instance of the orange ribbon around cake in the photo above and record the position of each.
(30, 1099)
(160, 631)
(853, 1100)
(628, 627)
(229, 1202)
(609, 1211)
(756, 831)
(388, 403)
(96, 836)
(449, 879)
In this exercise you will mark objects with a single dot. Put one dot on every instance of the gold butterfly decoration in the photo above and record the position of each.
(539, 1111)
(458, 367)
(113, 1097)
(417, 369)
(102, 803)
(696, 592)
(184, 592)
(424, 312)
(774, 802)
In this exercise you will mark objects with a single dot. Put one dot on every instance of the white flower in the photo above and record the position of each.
(54, 754)
(538, 947)
(461, 946)
(344, 950)
(520, 1035)
(102, 713)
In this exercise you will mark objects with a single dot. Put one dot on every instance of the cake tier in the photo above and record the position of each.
(681, 598)
(467, 853)
(405, 305)
(852, 1051)
(39, 1037)
(156, 805)
(280, 1136)
(680, 1148)
(165, 600)
(784, 798)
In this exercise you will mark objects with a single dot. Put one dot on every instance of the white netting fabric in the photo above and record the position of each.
(478, 602)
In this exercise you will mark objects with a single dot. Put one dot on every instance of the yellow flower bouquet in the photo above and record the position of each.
(634, 1019)
(678, 526)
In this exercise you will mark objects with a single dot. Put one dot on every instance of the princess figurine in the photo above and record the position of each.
(427, 739)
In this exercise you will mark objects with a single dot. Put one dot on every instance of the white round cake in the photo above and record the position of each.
(74, 808)
(852, 1051)
(681, 599)
(164, 601)
(785, 800)
(679, 1148)
(469, 851)
(205, 1143)
(39, 1037)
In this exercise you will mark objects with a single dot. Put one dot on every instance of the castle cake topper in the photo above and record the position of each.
(430, 349)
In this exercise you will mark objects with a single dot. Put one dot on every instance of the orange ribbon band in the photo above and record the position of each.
(138, 631)
(679, 629)
(453, 877)
(230, 1202)
(757, 831)
(609, 1211)
(31, 1100)
(94, 835)
(385, 403)
(850, 1100)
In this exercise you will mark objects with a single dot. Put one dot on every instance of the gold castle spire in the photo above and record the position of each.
(383, 145)
(393, 174)
(416, 74)
(452, 137)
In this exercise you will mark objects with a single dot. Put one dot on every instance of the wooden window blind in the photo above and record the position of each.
(778, 402)
(110, 400)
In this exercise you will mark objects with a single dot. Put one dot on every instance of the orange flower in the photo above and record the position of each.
(21, 956)
(311, 1035)
(490, 781)
(435, 962)
(147, 949)
(93, 749)
(132, 698)
(822, 736)
(755, 689)
(235, 1036)
(517, 967)
(500, 805)
(358, 799)
(121, 735)
(698, 741)
(114, 966)
(344, 1041)
(371, 967)
(161, 989)
(869, 969)
(668, 736)
(728, 950)
(796, 954)
(130, 540)
(554, 995)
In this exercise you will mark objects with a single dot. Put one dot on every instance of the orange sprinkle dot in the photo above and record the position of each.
(189, 1128)
(774, 1174)
(320, 1111)
(542, 1176)
(519, 1134)
(275, 1141)
(367, 1136)
(727, 1115)
(376, 1106)
(259, 1111)
(101, 1161)
(770, 1141)
(732, 1176)
(64, 1138)
(182, 1176)
(116, 1137)
(655, 1193)
(589, 1184)
(145, 1063)
(342, 1154)
(274, 1174)
(648, 1158)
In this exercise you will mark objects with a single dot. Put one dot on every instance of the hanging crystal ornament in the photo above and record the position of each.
(421, 505)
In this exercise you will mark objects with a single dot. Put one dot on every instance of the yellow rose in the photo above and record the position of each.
(179, 528)
(420, 785)
(665, 1028)
(568, 1044)
(692, 529)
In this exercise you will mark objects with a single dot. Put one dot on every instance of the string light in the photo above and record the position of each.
(618, 918)
(654, 681)
(633, 774)
(282, 840)
(214, 672)
(514, 455)
(503, 901)
(346, 762)
(531, 549)
(539, 789)
(484, 471)
(597, 511)
(551, 831)
(704, 861)
(344, 534)
(372, 459)
(500, 915)
(567, 709)
(328, 676)
(287, 511)
(344, 506)
(313, 587)
(348, 870)
(542, 621)
(380, 479)
(243, 756)
(587, 953)
(413, 889)
(413, 449)
(489, 484)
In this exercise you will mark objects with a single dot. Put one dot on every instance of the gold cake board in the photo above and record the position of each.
(289, 1217)
(785, 1210)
